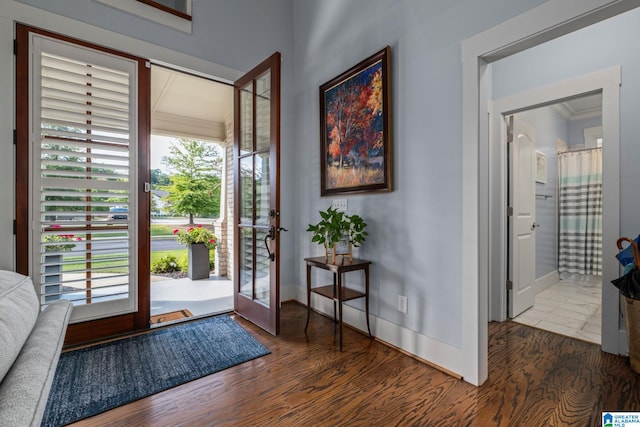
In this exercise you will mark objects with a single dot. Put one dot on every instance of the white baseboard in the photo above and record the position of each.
(435, 352)
(546, 281)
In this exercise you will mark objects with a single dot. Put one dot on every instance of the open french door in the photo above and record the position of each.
(82, 151)
(257, 200)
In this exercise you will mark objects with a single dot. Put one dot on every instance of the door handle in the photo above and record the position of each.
(271, 235)
(535, 225)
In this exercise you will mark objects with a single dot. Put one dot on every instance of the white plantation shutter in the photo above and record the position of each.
(83, 155)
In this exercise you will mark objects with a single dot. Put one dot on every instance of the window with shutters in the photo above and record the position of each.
(83, 177)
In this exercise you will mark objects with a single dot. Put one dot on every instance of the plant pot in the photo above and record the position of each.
(198, 262)
(53, 277)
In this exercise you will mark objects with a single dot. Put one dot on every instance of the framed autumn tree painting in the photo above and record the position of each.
(355, 128)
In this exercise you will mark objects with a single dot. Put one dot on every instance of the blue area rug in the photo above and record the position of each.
(98, 378)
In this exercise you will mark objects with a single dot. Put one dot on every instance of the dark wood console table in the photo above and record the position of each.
(337, 291)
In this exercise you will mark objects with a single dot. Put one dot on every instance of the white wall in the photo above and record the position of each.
(576, 130)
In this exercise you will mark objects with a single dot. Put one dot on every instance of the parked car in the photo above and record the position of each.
(117, 213)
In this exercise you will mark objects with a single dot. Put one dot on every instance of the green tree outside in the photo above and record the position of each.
(195, 169)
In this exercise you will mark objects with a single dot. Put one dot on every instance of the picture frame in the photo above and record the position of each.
(541, 167)
(355, 129)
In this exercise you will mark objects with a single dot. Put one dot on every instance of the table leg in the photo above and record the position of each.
(340, 307)
(308, 296)
(366, 297)
(335, 294)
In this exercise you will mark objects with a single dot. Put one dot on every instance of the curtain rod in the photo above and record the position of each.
(579, 150)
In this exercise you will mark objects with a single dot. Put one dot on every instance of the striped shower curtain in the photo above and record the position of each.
(580, 245)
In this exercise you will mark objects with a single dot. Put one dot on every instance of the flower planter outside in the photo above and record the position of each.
(198, 262)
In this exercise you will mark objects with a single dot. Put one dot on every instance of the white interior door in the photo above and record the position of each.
(522, 225)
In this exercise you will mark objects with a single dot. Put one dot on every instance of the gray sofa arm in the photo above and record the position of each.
(25, 389)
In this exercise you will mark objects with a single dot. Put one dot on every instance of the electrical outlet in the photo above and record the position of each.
(339, 205)
(402, 304)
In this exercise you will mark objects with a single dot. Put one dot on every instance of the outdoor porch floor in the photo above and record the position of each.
(200, 297)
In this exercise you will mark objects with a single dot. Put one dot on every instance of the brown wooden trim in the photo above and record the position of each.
(144, 199)
(94, 330)
(22, 150)
(275, 61)
(166, 9)
(78, 42)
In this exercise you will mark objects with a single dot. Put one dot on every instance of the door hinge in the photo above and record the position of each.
(509, 285)
(15, 46)
(509, 210)
(15, 227)
(510, 130)
(15, 136)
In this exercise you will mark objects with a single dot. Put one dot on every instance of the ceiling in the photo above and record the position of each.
(583, 107)
(183, 105)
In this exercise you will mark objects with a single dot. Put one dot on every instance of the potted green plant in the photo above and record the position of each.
(199, 240)
(338, 229)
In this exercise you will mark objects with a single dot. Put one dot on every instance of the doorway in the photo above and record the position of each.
(191, 138)
(567, 200)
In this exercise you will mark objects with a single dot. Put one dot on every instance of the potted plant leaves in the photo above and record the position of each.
(338, 232)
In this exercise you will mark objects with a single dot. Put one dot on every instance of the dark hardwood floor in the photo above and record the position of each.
(536, 378)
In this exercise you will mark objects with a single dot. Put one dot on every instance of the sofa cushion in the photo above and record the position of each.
(19, 309)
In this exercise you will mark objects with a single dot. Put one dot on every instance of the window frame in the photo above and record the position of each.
(107, 326)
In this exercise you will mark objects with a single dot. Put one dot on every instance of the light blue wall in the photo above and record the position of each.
(415, 231)
(577, 127)
(609, 43)
(237, 34)
(549, 126)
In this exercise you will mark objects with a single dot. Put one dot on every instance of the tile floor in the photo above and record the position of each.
(567, 308)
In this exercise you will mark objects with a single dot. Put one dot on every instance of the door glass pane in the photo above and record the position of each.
(246, 119)
(263, 263)
(246, 190)
(263, 196)
(246, 262)
(263, 111)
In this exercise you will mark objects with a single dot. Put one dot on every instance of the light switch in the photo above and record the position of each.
(339, 205)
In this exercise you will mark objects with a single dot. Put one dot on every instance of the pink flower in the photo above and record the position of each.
(212, 240)
(176, 231)
(199, 225)
(55, 226)
(190, 229)
(79, 239)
